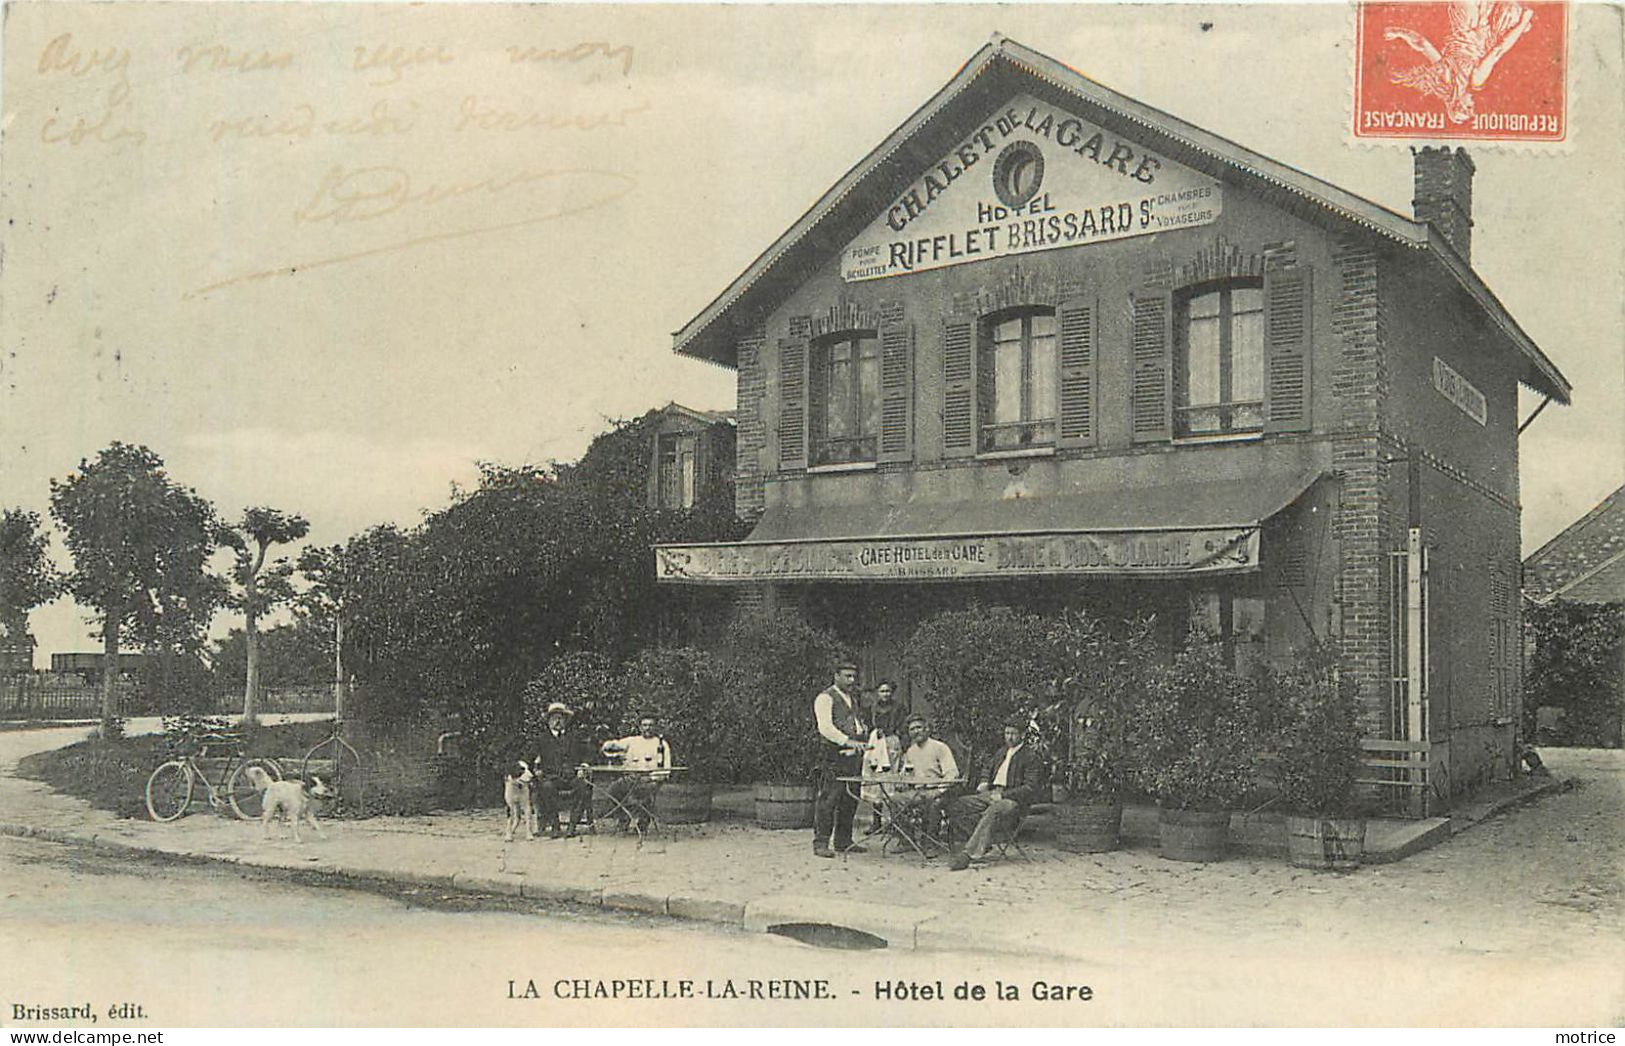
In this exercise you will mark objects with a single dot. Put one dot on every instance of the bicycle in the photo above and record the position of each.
(170, 788)
(340, 766)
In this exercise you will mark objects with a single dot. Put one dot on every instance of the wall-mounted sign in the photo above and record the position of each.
(1030, 178)
(925, 559)
(1460, 391)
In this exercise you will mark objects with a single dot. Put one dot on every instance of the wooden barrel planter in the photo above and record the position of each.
(1193, 835)
(1087, 828)
(683, 802)
(784, 806)
(1326, 843)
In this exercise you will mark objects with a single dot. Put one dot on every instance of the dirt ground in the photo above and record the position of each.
(1516, 922)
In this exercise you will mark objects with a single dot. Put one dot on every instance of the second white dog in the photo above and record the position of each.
(293, 800)
(516, 795)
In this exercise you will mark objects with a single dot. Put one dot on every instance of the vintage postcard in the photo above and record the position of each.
(528, 515)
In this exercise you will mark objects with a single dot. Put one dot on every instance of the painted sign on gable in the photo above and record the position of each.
(1031, 178)
(1458, 390)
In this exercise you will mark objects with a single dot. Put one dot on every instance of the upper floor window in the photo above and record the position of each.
(1017, 376)
(675, 485)
(845, 397)
(1219, 359)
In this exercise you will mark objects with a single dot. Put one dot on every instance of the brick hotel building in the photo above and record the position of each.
(1047, 346)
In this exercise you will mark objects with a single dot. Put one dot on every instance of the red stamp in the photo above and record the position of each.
(1490, 70)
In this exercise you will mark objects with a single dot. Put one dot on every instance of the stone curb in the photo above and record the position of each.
(1461, 822)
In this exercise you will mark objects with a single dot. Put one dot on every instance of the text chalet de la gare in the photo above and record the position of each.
(1068, 132)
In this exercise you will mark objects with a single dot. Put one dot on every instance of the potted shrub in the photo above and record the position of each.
(1194, 740)
(774, 662)
(681, 689)
(1087, 732)
(1317, 745)
(981, 668)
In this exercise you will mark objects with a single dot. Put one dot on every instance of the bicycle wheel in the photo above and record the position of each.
(169, 790)
(342, 771)
(247, 800)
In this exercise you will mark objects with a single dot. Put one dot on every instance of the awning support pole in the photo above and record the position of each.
(1530, 420)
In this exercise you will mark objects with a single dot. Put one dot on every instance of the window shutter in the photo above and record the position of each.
(793, 403)
(958, 386)
(1286, 348)
(1077, 360)
(1153, 341)
(897, 392)
(702, 465)
(654, 472)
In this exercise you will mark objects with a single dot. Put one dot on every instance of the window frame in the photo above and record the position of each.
(1032, 432)
(679, 483)
(862, 447)
(1226, 407)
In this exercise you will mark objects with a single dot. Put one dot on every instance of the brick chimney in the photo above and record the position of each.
(1444, 195)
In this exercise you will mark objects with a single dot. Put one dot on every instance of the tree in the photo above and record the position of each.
(261, 587)
(27, 578)
(140, 545)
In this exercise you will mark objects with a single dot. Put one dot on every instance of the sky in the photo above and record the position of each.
(331, 257)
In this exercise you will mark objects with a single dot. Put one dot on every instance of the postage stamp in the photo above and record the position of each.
(1480, 70)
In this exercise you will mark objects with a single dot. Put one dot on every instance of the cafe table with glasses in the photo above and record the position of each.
(899, 795)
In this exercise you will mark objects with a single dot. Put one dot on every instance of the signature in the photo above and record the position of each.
(365, 193)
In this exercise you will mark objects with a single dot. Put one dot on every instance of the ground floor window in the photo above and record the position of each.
(1236, 620)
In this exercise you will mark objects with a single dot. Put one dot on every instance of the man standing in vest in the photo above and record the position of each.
(840, 755)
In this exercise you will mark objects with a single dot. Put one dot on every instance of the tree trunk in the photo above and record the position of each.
(340, 697)
(251, 686)
(110, 671)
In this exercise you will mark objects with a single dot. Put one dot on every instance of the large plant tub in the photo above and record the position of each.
(784, 805)
(1194, 835)
(1326, 843)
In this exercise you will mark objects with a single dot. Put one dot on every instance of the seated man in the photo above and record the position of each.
(925, 760)
(561, 776)
(1010, 783)
(644, 750)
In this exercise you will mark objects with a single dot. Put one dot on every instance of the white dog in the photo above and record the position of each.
(294, 800)
(516, 794)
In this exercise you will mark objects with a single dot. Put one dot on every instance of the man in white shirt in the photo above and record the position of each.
(644, 750)
(835, 711)
(926, 760)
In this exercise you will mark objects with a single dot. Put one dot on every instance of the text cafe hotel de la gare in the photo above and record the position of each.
(1048, 347)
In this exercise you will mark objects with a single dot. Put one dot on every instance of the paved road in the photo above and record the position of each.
(197, 945)
(1516, 922)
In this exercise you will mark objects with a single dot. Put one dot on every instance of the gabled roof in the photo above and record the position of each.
(1586, 562)
(704, 417)
(1001, 68)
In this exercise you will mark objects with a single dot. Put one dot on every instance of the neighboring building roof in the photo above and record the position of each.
(1586, 562)
(999, 69)
(704, 417)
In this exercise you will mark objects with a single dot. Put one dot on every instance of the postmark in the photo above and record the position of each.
(1471, 70)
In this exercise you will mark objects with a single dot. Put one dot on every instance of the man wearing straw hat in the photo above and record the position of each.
(561, 780)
